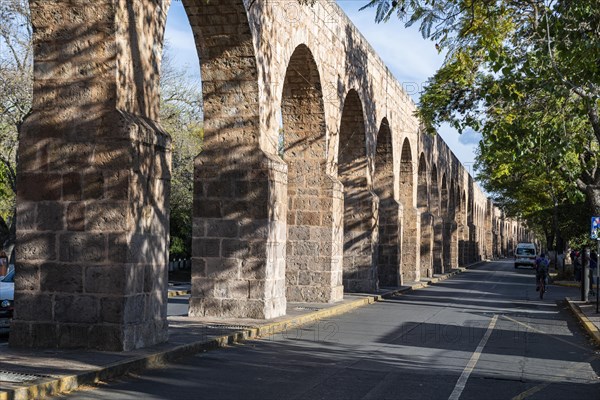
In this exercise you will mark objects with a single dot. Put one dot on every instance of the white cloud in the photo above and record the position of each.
(469, 136)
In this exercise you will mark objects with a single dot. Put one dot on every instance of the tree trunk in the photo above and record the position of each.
(592, 193)
(549, 240)
(560, 244)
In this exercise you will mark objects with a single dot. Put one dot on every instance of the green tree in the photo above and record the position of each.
(181, 117)
(527, 173)
(525, 74)
(16, 86)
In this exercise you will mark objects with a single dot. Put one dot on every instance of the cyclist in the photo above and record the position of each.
(541, 271)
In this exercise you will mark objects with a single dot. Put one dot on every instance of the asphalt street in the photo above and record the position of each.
(483, 334)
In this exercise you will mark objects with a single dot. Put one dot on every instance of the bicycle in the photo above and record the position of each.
(542, 285)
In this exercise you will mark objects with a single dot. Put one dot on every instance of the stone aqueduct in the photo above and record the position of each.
(358, 199)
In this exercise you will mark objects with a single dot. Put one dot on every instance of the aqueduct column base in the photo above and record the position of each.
(93, 217)
(438, 245)
(360, 264)
(314, 253)
(390, 213)
(446, 245)
(452, 235)
(238, 265)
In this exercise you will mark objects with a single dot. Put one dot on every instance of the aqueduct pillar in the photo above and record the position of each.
(240, 192)
(411, 217)
(315, 199)
(360, 204)
(389, 212)
(93, 180)
(427, 244)
(438, 245)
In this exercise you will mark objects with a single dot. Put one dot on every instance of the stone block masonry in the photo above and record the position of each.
(93, 182)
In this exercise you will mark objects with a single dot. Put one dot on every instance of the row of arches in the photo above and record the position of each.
(350, 197)
(377, 213)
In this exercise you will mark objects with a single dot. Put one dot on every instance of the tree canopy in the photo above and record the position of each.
(524, 73)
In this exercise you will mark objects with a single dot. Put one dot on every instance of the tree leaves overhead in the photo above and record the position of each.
(526, 74)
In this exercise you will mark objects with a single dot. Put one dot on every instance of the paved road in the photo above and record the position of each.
(481, 335)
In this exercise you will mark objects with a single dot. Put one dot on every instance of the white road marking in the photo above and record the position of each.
(462, 381)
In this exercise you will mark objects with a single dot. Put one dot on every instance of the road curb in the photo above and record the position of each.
(475, 264)
(566, 284)
(69, 383)
(590, 328)
(175, 293)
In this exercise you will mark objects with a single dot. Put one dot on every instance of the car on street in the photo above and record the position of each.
(525, 254)
(7, 297)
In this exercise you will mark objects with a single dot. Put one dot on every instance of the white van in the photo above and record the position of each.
(525, 254)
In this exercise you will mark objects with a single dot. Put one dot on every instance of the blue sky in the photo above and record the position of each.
(411, 59)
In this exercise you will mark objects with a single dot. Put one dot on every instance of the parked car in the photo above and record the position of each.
(7, 297)
(525, 254)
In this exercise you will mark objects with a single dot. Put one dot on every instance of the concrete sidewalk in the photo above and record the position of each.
(587, 316)
(32, 374)
(584, 312)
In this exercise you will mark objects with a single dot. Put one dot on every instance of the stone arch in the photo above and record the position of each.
(406, 174)
(410, 229)
(359, 267)
(239, 195)
(497, 247)
(471, 225)
(477, 241)
(426, 241)
(481, 233)
(452, 201)
(434, 201)
(110, 118)
(312, 273)
(388, 251)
